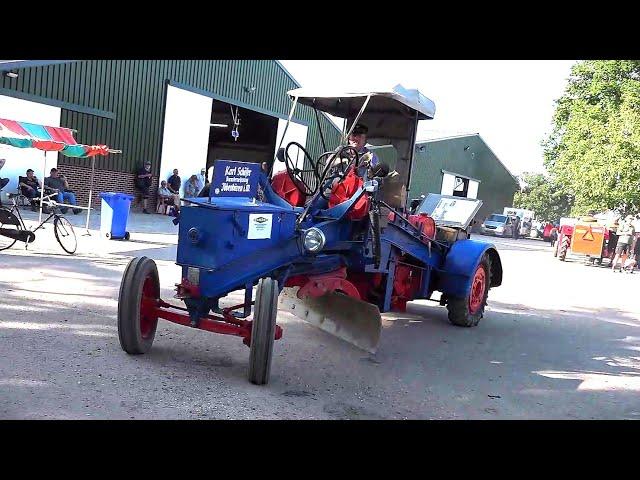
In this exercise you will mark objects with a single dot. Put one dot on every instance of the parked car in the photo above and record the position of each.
(498, 224)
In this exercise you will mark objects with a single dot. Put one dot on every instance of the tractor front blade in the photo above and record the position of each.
(352, 320)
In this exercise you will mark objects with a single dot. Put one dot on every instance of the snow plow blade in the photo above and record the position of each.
(352, 320)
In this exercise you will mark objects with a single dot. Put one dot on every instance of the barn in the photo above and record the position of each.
(180, 114)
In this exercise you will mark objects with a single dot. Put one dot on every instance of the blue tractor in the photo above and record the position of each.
(329, 239)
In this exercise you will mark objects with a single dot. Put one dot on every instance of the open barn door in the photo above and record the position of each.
(186, 133)
(295, 133)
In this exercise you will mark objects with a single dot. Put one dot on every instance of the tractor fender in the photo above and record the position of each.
(460, 264)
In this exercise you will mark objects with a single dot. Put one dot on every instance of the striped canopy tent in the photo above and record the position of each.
(51, 139)
(48, 139)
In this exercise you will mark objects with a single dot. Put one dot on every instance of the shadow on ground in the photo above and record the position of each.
(58, 328)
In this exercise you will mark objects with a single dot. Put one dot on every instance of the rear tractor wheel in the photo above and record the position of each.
(564, 248)
(467, 312)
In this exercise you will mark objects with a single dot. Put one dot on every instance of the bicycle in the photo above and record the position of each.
(13, 228)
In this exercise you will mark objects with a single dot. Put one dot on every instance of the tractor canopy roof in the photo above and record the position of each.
(397, 100)
(391, 117)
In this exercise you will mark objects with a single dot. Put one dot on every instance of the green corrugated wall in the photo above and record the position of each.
(134, 91)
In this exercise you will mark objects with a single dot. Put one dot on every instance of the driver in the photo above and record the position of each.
(358, 140)
(367, 158)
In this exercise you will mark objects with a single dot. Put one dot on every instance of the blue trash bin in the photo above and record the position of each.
(114, 214)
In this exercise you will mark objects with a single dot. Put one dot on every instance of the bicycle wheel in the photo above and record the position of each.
(10, 222)
(64, 234)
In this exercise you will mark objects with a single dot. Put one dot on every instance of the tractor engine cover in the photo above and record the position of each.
(344, 190)
(406, 285)
(425, 224)
(286, 189)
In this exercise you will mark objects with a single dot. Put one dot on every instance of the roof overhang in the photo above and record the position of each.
(12, 64)
(348, 104)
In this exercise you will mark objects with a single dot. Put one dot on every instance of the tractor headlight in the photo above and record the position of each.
(314, 240)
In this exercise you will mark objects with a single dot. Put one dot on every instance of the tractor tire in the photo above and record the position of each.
(263, 331)
(467, 312)
(563, 248)
(140, 283)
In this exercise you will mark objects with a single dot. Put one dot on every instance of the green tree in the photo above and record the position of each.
(542, 195)
(593, 152)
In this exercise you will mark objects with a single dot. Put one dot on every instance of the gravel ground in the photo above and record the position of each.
(558, 341)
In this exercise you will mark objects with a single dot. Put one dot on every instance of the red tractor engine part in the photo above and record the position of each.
(286, 189)
(367, 284)
(318, 285)
(422, 222)
(406, 285)
(344, 190)
(425, 224)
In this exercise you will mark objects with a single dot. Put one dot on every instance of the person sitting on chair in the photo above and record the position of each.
(166, 197)
(58, 184)
(30, 187)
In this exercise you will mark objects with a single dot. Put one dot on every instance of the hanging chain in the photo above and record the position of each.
(236, 123)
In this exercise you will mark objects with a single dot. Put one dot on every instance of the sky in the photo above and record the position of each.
(510, 103)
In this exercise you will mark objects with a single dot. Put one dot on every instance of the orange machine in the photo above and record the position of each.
(587, 239)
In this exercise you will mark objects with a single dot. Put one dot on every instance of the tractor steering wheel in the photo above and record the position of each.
(340, 169)
(295, 174)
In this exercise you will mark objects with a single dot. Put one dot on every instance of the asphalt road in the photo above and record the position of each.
(558, 341)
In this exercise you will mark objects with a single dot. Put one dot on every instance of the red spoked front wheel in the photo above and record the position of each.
(139, 293)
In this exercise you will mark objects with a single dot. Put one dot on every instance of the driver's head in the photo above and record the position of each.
(358, 137)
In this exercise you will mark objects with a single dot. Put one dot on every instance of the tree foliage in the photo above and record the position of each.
(593, 152)
(543, 196)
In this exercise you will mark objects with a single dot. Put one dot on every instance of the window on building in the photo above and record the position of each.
(460, 187)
